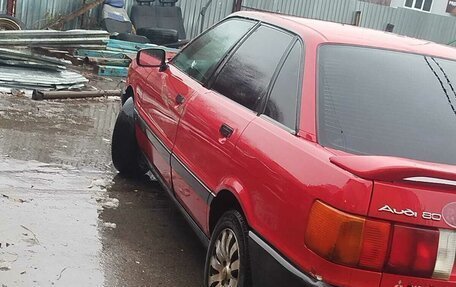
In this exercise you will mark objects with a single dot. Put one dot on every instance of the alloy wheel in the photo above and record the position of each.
(225, 261)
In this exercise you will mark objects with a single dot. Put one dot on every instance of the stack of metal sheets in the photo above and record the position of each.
(86, 39)
(19, 58)
(21, 69)
(31, 79)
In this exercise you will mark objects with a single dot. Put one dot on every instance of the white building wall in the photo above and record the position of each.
(438, 6)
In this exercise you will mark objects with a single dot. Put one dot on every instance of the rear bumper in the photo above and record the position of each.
(269, 268)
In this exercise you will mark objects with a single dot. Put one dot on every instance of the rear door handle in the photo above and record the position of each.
(226, 131)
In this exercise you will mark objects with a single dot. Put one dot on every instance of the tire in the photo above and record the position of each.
(126, 156)
(9, 23)
(228, 268)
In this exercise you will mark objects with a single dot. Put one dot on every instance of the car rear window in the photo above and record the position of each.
(380, 102)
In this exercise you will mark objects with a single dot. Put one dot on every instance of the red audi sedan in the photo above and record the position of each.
(303, 153)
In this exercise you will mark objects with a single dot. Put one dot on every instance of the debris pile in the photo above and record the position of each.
(41, 79)
(29, 71)
(23, 67)
(62, 39)
(9, 57)
(38, 61)
(114, 61)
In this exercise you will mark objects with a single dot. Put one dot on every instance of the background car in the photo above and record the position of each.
(303, 153)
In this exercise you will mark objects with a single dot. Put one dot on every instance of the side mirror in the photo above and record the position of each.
(154, 58)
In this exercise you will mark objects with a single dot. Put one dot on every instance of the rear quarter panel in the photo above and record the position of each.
(281, 176)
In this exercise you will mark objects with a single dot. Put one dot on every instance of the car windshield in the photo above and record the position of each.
(380, 102)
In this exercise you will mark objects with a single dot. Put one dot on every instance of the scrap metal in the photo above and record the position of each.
(107, 61)
(11, 7)
(115, 61)
(52, 95)
(28, 78)
(27, 59)
(8, 24)
(64, 39)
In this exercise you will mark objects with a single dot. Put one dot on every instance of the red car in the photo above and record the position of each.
(303, 153)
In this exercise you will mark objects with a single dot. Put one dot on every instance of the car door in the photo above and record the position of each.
(214, 121)
(166, 93)
(283, 162)
(160, 107)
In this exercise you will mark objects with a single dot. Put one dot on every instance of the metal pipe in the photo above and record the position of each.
(11, 7)
(107, 61)
(53, 34)
(53, 42)
(203, 14)
(237, 6)
(54, 95)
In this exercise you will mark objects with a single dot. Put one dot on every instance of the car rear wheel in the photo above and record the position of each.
(126, 156)
(8, 23)
(227, 260)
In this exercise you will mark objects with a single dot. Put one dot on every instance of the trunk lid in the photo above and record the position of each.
(407, 191)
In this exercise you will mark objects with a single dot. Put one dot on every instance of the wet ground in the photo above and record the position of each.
(66, 219)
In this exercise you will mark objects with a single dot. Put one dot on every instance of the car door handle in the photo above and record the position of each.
(226, 131)
(180, 99)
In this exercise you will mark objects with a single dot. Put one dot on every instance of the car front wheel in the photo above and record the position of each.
(227, 260)
(125, 152)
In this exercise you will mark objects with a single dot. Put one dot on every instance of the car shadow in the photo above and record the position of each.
(146, 241)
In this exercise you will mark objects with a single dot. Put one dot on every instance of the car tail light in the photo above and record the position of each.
(375, 244)
(380, 246)
(413, 251)
(346, 239)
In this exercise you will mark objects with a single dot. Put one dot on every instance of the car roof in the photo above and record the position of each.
(331, 32)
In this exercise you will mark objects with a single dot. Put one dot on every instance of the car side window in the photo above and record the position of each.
(283, 100)
(200, 58)
(246, 76)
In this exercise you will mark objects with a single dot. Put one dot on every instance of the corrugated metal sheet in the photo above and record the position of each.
(36, 13)
(441, 29)
(341, 11)
(2, 6)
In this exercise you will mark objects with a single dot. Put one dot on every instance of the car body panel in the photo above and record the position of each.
(158, 107)
(277, 174)
(293, 190)
(385, 168)
(413, 203)
(202, 149)
(389, 280)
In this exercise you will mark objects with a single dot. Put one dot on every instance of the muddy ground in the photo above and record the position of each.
(67, 219)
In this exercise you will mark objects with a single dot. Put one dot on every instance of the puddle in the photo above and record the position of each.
(50, 225)
(67, 220)
(54, 168)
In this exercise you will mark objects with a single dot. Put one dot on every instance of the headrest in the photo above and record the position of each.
(171, 2)
(115, 3)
